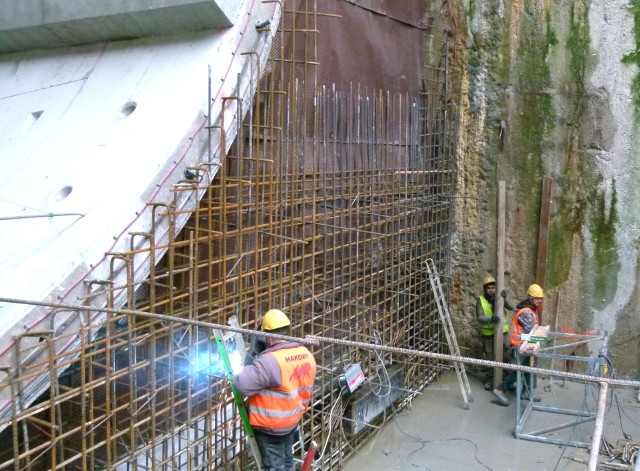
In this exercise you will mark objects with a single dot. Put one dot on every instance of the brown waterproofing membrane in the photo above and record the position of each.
(373, 49)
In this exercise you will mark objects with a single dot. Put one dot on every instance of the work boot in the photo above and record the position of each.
(502, 399)
(527, 397)
(488, 386)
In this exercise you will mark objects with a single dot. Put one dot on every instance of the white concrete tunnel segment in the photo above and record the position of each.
(30, 24)
(89, 136)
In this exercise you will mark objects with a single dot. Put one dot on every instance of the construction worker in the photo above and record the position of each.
(525, 318)
(279, 383)
(485, 308)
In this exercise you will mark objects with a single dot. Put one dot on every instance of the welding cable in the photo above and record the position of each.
(331, 426)
(614, 395)
(384, 409)
(373, 440)
(384, 417)
(424, 443)
(386, 383)
(624, 459)
(594, 367)
(386, 373)
(621, 410)
(380, 385)
(573, 428)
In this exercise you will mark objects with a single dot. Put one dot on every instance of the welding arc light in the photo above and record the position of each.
(211, 362)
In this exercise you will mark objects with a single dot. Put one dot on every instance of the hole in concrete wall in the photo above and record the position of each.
(128, 108)
(31, 120)
(63, 193)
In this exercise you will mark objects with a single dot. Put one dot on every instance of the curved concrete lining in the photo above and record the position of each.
(28, 24)
(96, 133)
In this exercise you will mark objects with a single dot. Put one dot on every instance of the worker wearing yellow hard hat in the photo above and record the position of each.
(487, 318)
(274, 319)
(523, 322)
(279, 384)
(535, 291)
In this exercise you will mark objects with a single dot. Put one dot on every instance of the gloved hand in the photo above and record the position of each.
(503, 294)
(495, 319)
(257, 346)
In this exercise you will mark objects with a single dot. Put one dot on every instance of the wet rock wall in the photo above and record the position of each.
(551, 88)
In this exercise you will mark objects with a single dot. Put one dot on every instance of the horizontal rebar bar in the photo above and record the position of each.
(317, 340)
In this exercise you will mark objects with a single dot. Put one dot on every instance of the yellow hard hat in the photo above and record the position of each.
(535, 291)
(488, 280)
(275, 319)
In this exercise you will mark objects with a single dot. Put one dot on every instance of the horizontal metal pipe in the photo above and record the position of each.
(553, 428)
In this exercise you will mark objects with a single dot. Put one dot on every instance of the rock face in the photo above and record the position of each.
(552, 89)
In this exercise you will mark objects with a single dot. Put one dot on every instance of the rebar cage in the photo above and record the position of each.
(326, 206)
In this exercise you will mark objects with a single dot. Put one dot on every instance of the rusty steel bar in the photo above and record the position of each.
(317, 340)
(338, 197)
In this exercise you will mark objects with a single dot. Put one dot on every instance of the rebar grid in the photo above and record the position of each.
(118, 315)
(326, 205)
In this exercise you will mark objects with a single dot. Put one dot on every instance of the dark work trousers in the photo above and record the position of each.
(488, 350)
(509, 381)
(276, 451)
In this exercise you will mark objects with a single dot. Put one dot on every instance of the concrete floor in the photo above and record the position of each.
(437, 433)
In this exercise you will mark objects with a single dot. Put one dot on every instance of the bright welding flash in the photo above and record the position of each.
(204, 362)
(236, 361)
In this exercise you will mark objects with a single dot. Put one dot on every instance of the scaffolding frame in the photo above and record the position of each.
(581, 416)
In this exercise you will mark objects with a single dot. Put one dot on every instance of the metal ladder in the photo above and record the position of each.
(445, 317)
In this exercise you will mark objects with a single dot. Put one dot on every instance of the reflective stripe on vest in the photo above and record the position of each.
(282, 407)
(488, 329)
(516, 329)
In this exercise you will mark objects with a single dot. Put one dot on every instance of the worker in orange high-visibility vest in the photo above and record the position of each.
(485, 314)
(279, 383)
(523, 321)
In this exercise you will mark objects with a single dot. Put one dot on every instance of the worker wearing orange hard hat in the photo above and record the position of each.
(487, 318)
(279, 383)
(523, 322)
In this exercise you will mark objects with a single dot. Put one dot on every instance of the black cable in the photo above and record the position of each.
(611, 374)
(573, 429)
(424, 443)
(621, 409)
(596, 387)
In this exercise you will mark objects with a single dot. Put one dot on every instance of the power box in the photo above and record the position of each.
(353, 376)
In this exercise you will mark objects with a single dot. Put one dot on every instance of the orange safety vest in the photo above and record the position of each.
(516, 330)
(281, 408)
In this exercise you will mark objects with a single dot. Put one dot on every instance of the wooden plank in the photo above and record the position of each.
(498, 348)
